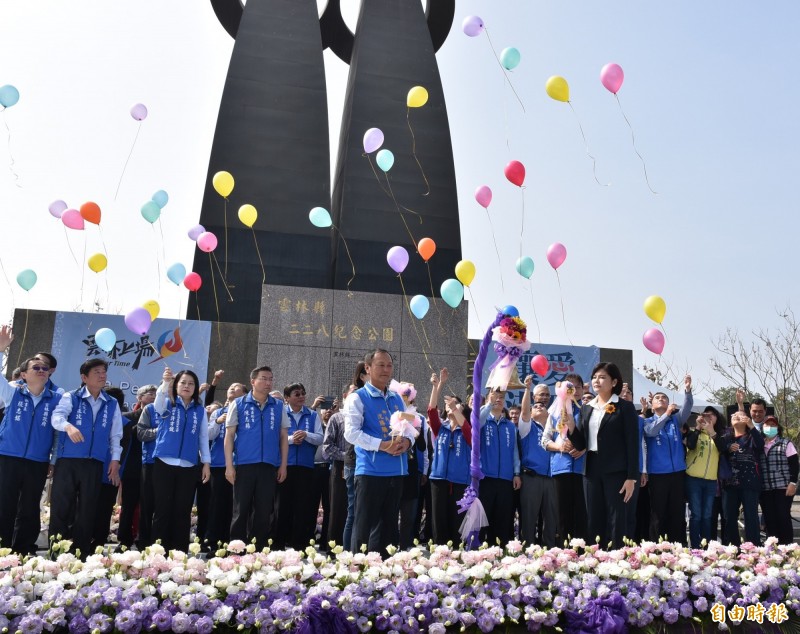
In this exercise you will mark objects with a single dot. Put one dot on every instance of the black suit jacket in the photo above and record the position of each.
(617, 439)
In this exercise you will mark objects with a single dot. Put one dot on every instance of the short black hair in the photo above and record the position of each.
(371, 355)
(88, 365)
(287, 391)
(115, 392)
(574, 378)
(254, 372)
(25, 365)
(759, 401)
(52, 361)
(613, 371)
(174, 390)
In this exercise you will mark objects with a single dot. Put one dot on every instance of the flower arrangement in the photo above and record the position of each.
(611, 408)
(578, 588)
(511, 331)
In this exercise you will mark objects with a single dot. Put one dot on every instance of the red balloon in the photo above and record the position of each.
(91, 212)
(540, 364)
(193, 281)
(515, 173)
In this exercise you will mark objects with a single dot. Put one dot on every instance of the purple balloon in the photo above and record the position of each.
(195, 232)
(138, 321)
(397, 257)
(472, 25)
(373, 139)
(139, 111)
(56, 208)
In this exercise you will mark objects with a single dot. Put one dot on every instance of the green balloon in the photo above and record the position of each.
(27, 279)
(320, 217)
(151, 211)
(525, 266)
(452, 292)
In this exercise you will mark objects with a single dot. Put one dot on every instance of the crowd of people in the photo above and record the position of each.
(260, 465)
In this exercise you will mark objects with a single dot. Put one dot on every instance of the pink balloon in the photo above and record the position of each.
(397, 257)
(653, 340)
(484, 196)
(515, 173)
(72, 218)
(56, 208)
(540, 364)
(472, 25)
(195, 231)
(139, 111)
(138, 321)
(611, 76)
(556, 254)
(207, 241)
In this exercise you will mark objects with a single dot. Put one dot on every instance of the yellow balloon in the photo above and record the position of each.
(465, 272)
(223, 183)
(655, 308)
(152, 307)
(557, 88)
(417, 97)
(248, 215)
(97, 262)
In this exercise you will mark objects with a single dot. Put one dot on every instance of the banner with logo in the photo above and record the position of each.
(563, 360)
(134, 360)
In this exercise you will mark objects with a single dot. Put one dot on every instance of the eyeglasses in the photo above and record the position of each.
(40, 368)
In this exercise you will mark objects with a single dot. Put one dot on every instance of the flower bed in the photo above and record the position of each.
(582, 588)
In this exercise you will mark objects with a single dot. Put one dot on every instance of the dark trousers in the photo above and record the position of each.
(445, 518)
(102, 516)
(538, 496)
(423, 528)
(377, 507)
(21, 485)
(667, 506)
(253, 492)
(321, 494)
(497, 497)
(174, 494)
(571, 506)
(777, 509)
(642, 512)
(604, 504)
(717, 517)
(338, 503)
(131, 492)
(220, 509)
(408, 514)
(296, 511)
(732, 499)
(203, 501)
(147, 504)
(73, 500)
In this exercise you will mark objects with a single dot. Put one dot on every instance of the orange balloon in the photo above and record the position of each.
(426, 248)
(90, 212)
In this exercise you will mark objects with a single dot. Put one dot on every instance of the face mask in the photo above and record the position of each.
(770, 432)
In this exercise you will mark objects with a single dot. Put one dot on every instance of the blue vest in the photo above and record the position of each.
(96, 430)
(534, 456)
(258, 435)
(498, 442)
(217, 445)
(302, 455)
(378, 411)
(665, 451)
(149, 447)
(178, 433)
(451, 456)
(26, 431)
(562, 462)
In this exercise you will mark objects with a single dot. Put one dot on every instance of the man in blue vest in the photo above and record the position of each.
(256, 456)
(89, 425)
(380, 457)
(26, 438)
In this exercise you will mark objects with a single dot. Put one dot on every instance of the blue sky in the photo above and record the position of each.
(710, 89)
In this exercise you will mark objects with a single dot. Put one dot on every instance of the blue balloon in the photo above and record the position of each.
(160, 198)
(106, 339)
(320, 217)
(8, 96)
(151, 211)
(176, 273)
(525, 266)
(385, 160)
(510, 311)
(419, 306)
(452, 292)
(510, 58)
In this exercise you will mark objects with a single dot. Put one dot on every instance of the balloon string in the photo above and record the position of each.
(522, 230)
(72, 253)
(496, 250)
(633, 141)
(414, 152)
(216, 303)
(124, 167)
(563, 318)
(377, 178)
(224, 281)
(586, 145)
(258, 251)
(24, 333)
(469, 343)
(163, 254)
(158, 264)
(197, 303)
(389, 193)
(433, 298)
(349, 257)
(105, 250)
(533, 304)
(505, 116)
(11, 162)
(414, 324)
(83, 268)
(8, 282)
(411, 235)
(225, 215)
(502, 68)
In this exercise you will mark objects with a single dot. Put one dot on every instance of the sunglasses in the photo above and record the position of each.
(39, 368)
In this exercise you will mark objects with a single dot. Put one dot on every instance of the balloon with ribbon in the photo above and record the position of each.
(106, 339)
(152, 307)
(655, 308)
(452, 292)
(150, 211)
(419, 306)
(138, 321)
(465, 272)
(426, 248)
(160, 198)
(556, 255)
(397, 257)
(320, 217)
(524, 267)
(97, 262)
(176, 273)
(138, 112)
(483, 195)
(223, 183)
(90, 212)
(9, 96)
(472, 26)
(207, 241)
(56, 208)
(654, 341)
(373, 140)
(72, 219)
(248, 215)
(510, 58)
(193, 281)
(417, 97)
(195, 232)
(515, 173)
(27, 279)
(385, 159)
(540, 365)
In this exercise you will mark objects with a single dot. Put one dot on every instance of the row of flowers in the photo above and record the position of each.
(582, 588)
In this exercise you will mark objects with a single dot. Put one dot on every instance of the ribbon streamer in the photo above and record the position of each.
(124, 167)
(586, 145)
(414, 152)
(635, 149)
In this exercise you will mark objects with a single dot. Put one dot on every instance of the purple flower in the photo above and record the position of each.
(604, 615)
(78, 624)
(31, 624)
(162, 620)
(671, 616)
(181, 622)
(126, 621)
(204, 625)
(100, 622)
(245, 617)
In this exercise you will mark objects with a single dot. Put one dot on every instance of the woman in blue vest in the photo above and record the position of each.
(452, 447)
(779, 470)
(182, 434)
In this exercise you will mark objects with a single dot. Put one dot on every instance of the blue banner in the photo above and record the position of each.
(563, 360)
(134, 360)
